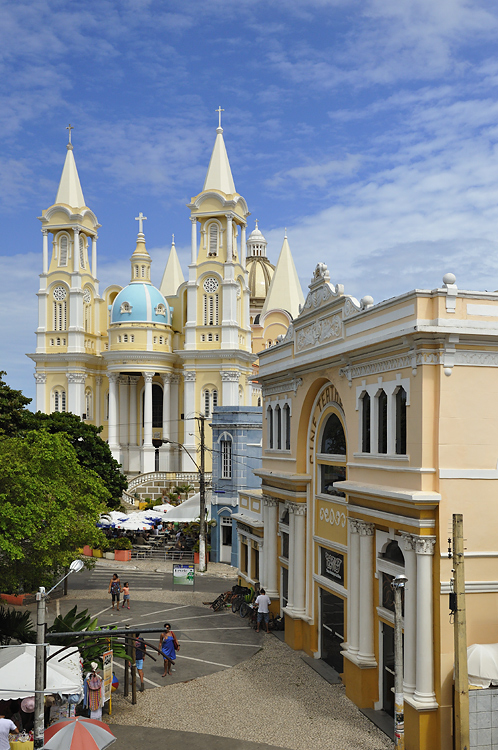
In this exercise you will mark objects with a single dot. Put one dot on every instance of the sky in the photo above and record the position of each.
(367, 128)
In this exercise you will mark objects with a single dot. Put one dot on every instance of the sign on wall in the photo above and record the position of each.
(183, 575)
(332, 565)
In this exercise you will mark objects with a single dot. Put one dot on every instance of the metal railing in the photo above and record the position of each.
(174, 477)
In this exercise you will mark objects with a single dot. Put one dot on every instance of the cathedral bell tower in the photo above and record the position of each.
(67, 297)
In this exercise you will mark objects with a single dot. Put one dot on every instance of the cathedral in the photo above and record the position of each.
(145, 362)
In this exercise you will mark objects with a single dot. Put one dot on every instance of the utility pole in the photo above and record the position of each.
(462, 736)
(39, 728)
(202, 492)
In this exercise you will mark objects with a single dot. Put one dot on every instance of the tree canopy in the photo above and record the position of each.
(49, 507)
(92, 452)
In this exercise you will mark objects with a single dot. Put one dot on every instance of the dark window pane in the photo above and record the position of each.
(157, 405)
(278, 415)
(388, 594)
(334, 440)
(365, 423)
(382, 434)
(393, 553)
(401, 421)
(285, 545)
(287, 427)
(329, 475)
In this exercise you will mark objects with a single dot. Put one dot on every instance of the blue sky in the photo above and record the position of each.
(369, 129)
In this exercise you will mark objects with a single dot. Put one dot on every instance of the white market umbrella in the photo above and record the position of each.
(482, 663)
(160, 509)
(17, 672)
(189, 510)
(113, 517)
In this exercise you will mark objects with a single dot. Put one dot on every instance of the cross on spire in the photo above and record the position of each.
(70, 127)
(140, 218)
(219, 110)
(256, 223)
(173, 239)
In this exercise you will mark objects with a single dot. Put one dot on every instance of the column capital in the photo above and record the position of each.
(76, 377)
(270, 501)
(113, 377)
(229, 216)
(299, 509)
(366, 529)
(148, 376)
(168, 377)
(76, 230)
(98, 380)
(407, 541)
(44, 232)
(193, 219)
(123, 380)
(189, 376)
(354, 525)
(40, 378)
(424, 545)
(133, 379)
(230, 376)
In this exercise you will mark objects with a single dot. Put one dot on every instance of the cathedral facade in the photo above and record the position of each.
(146, 362)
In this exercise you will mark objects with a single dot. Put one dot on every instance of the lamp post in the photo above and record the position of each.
(41, 597)
(202, 493)
(398, 584)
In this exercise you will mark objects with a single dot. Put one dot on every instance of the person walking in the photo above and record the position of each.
(115, 589)
(140, 648)
(126, 594)
(168, 645)
(263, 604)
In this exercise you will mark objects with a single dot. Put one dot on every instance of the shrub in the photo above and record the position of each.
(122, 543)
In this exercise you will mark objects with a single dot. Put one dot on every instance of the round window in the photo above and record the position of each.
(210, 285)
(59, 293)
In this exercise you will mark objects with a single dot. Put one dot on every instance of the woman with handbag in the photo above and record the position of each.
(168, 645)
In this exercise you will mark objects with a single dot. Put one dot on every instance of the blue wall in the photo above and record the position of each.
(243, 425)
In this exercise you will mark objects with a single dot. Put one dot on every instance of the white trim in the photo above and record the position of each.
(335, 545)
(328, 584)
(393, 518)
(250, 522)
(490, 311)
(385, 614)
(378, 490)
(473, 587)
(444, 555)
(415, 469)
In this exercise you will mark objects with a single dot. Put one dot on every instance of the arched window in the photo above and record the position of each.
(63, 250)
(88, 404)
(401, 421)
(209, 401)
(226, 459)
(125, 308)
(278, 419)
(333, 439)
(382, 422)
(60, 308)
(136, 272)
(269, 421)
(125, 338)
(287, 426)
(213, 239)
(259, 400)
(143, 272)
(59, 400)
(365, 423)
(210, 302)
(82, 252)
(333, 444)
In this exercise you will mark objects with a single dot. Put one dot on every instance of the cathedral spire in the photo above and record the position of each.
(219, 174)
(70, 192)
(140, 260)
(173, 274)
(285, 291)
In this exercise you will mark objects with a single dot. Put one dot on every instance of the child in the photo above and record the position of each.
(126, 595)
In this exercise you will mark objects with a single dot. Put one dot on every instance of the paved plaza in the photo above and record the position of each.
(232, 688)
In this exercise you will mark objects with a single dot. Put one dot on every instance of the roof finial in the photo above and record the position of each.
(140, 218)
(256, 223)
(173, 239)
(69, 145)
(219, 110)
(285, 233)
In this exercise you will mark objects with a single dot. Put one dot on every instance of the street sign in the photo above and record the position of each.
(183, 575)
(107, 670)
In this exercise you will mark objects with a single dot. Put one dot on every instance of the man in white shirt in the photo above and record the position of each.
(6, 726)
(263, 604)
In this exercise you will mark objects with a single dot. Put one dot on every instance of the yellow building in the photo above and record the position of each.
(379, 424)
(142, 361)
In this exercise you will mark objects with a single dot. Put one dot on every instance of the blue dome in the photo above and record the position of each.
(140, 303)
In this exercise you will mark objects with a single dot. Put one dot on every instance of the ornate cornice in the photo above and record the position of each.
(269, 501)
(189, 376)
(283, 387)
(76, 377)
(408, 541)
(366, 529)
(411, 359)
(40, 378)
(230, 376)
(299, 509)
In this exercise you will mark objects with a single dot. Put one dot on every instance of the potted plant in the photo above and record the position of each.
(122, 549)
(195, 549)
(109, 550)
(87, 550)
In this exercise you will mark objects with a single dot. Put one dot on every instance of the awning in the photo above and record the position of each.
(17, 672)
(189, 510)
(482, 662)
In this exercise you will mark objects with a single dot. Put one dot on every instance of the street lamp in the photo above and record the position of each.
(202, 493)
(398, 584)
(41, 596)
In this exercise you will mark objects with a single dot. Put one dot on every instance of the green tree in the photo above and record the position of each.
(12, 409)
(92, 452)
(49, 507)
